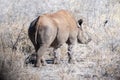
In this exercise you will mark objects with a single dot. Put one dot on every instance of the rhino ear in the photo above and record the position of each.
(79, 23)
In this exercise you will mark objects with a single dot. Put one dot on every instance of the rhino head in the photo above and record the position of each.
(83, 36)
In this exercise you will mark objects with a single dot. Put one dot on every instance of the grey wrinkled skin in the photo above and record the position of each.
(53, 30)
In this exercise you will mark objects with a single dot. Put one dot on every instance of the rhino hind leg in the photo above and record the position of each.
(40, 57)
(57, 54)
(45, 39)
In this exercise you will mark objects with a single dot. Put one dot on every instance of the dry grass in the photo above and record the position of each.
(98, 60)
(94, 61)
(12, 61)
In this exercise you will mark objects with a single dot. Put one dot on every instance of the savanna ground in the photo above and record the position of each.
(97, 60)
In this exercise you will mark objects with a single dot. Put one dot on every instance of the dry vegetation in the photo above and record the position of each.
(98, 60)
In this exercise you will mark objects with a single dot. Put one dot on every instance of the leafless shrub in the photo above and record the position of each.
(12, 66)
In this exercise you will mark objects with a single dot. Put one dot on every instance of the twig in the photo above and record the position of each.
(15, 44)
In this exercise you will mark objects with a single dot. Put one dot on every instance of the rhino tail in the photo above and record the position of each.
(36, 29)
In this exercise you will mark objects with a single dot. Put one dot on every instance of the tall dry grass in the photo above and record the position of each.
(13, 51)
(98, 60)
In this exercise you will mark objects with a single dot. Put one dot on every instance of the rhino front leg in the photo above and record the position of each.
(71, 52)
